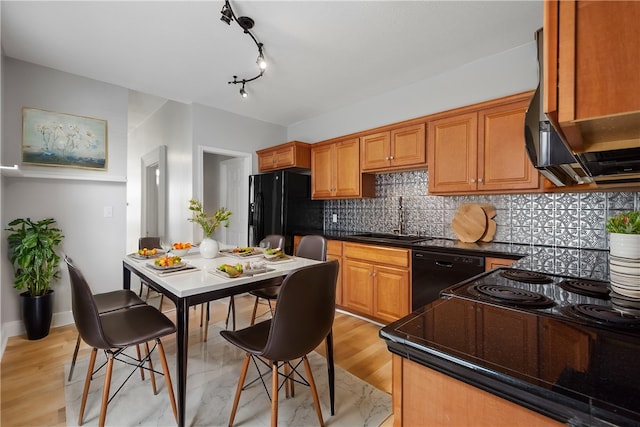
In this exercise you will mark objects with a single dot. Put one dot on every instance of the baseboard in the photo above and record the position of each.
(16, 327)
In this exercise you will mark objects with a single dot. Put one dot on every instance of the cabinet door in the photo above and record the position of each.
(408, 146)
(322, 181)
(453, 153)
(391, 293)
(266, 162)
(347, 168)
(376, 151)
(491, 263)
(502, 157)
(357, 293)
(285, 157)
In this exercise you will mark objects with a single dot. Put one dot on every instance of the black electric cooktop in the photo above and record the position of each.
(568, 342)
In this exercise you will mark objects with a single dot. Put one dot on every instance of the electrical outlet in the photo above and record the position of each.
(108, 211)
(334, 218)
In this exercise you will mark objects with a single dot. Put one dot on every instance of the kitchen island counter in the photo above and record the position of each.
(526, 363)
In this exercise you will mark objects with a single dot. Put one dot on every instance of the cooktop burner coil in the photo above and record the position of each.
(602, 315)
(588, 288)
(526, 276)
(512, 296)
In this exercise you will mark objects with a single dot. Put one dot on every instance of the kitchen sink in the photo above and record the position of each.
(390, 237)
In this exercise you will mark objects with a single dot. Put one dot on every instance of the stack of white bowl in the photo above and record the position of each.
(625, 275)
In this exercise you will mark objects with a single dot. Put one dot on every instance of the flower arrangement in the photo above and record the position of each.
(624, 223)
(208, 223)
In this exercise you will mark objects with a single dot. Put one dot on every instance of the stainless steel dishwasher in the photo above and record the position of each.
(434, 271)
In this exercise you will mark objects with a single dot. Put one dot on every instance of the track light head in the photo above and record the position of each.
(243, 93)
(262, 64)
(227, 15)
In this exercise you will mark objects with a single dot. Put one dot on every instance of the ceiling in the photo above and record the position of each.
(322, 55)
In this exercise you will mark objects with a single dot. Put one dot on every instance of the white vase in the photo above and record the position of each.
(624, 245)
(209, 248)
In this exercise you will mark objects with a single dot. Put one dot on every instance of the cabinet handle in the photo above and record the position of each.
(391, 158)
(480, 180)
(473, 180)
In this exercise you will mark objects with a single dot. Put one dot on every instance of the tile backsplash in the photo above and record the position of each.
(575, 220)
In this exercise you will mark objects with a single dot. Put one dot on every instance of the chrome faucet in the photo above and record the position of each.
(400, 228)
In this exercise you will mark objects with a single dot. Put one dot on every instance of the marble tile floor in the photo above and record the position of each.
(214, 368)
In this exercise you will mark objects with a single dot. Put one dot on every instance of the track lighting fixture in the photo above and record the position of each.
(246, 24)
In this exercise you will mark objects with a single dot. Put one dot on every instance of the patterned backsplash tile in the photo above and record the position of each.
(572, 220)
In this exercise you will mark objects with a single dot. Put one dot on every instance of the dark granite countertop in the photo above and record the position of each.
(566, 261)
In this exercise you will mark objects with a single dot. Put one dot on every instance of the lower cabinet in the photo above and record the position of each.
(425, 397)
(376, 281)
(334, 251)
(490, 263)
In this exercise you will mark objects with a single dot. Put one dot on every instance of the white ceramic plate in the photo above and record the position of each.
(627, 262)
(623, 269)
(626, 281)
(625, 292)
(172, 267)
(224, 274)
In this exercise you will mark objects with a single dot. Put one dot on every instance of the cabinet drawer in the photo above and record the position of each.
(378, 254)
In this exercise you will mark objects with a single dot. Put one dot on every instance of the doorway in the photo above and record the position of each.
(153, 198)
(223, 181)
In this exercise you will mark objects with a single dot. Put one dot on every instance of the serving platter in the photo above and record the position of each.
(136, 255)
(254, 252)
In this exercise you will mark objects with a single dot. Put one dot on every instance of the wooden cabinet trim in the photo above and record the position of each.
(288, 155)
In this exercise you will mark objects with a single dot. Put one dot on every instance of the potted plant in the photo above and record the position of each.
(624, 237)
(35, 262)
(209, 248)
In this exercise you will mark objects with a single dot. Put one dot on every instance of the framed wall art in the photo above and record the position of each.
(63, 140)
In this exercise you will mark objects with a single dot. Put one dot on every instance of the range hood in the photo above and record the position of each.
(545, 147)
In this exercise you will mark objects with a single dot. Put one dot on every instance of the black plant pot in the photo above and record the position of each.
(36, 314)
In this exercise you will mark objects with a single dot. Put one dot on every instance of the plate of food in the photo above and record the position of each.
(243, 252)
(167, 263)
(229, 271)
(271, 254)
(146, 253)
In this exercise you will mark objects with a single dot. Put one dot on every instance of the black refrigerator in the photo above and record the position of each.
(280, 203)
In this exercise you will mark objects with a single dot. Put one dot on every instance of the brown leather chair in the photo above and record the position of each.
(113, 332)
(302, 319)
(312, 247)
(106, 302)
(149, 243)
(271, 293)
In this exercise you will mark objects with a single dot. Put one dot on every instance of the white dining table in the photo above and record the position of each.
(202, 284)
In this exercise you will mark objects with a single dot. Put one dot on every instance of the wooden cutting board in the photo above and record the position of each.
(469, 223)
(492, 226)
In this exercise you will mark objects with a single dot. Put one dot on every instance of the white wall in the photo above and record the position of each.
(499, 75)
(77, 202)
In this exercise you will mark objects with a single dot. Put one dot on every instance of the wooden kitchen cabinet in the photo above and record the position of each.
(398, 149)
(335, 171)
(481, 150)
(294, 154)
(376, 281)
(591, 72)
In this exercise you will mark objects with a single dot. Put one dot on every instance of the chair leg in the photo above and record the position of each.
(153, 377)
(314, 391)
(255, 310)
(140, 358)
(105, 391)
(73, 359)
(274, 394)
(87, 383)
(236, 399)
(167, 378)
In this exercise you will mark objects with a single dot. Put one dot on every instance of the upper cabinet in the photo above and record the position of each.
(335, 171)
(394, 150)
(294, 154)
(592, 72)
(481, 149)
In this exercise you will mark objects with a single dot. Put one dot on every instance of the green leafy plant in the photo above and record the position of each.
(209, 224)
(32, 253)
(624, 223)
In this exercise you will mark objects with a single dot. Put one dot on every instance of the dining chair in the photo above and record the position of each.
(271, 293)
(105, 303)
(302, 319)
(311, 247)
(114, 332)
(149, 242)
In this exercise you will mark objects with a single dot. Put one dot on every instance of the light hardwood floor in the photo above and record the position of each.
(32, 372)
